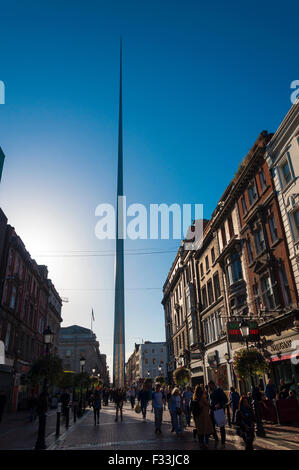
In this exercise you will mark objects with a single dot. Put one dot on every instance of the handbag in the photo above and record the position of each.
(137, 409)
(219, 417)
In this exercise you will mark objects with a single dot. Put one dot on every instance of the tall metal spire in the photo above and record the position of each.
(119, 301)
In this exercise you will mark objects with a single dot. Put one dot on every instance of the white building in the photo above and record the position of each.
(283, 160)
(150, 357)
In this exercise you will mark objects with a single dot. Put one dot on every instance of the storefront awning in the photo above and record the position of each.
(283, 357)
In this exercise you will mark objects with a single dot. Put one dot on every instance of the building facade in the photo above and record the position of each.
(242, 269)
(24, 312)
(76, 342)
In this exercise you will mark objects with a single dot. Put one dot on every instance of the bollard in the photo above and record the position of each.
(75, 412)
(67, 417)
(58, 414)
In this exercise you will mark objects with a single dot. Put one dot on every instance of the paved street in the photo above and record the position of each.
(133, 433)
(17, 433)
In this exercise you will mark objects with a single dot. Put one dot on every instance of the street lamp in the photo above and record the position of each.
(82, 364)
(48, 338)
(256, 395)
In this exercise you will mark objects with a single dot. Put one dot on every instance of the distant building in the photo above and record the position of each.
(145, 362)
(76, 342)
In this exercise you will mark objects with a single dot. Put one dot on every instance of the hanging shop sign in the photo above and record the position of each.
(234, 333)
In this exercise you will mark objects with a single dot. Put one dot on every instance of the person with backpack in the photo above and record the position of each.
(245, 420)
(218, 401)
(97, 405)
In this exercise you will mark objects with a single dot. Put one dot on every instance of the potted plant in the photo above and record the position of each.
(181, 376)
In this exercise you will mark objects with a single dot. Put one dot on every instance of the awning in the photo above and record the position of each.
(283, 357)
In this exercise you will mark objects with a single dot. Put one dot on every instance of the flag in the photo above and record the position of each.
(92, 315)
(2, 156)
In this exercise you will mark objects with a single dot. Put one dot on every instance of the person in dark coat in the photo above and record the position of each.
(119, 398)
(2, 403)
(218, 400)
(245, 420)
(96, 404)
(234, 399)
(143, 398)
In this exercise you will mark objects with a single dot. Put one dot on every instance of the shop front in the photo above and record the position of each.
(217, 368)
(283, 355)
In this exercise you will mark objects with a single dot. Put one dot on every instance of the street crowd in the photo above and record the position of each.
(207, 407)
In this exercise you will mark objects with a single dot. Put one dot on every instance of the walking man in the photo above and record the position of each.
(187, 397)
(218, 400)
(158, 401)
(234, 399)
(143, 398)
(96, 404)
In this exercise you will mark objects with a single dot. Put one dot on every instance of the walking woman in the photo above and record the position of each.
(176, 410)
(245, 420)
(96, 404)
(201, 413)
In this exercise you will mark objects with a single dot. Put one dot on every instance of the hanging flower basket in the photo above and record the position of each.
(160, 380)
(181, 376)
(248, 362)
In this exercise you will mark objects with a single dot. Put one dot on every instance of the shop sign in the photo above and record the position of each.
(281, 346)
(234, 333)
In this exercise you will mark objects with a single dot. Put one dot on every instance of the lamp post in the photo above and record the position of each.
(82, 364)
(48, 337)
(256, 395)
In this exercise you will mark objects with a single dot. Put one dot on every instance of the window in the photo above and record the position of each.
(262, 179)
(213, 255)
(252, 192)
(13, 297)
(285, 286)
(188, 302)
(223, 236)
(201, 269)
(216, 286)
(153, 351)
(268, 294)
(249, 250)
(286, 172)
(207, 263)
(230, 226)
(233, 268)
(244, 207)
(210, 292)
(296, 223)
(259, 240)
(154, 360)
(257, 299)
(204, 297)
(273, 228)
(7, 336)
(145, 361)
(68, 353)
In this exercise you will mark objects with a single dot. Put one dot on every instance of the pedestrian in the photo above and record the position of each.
(176, 409)
(157, 403)
(32, 405)
(2, 403)
(234, 399)
(168, 396)
(96, 404)
(245, 420)
(202, 418)
(65, 399)
(283, 389)
(270, 391)
(119, 398)
(218, 401)
(132, 396)
(143, 399)
(187, 397)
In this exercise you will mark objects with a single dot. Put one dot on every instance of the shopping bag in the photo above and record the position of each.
(137, 409)
(219, 417)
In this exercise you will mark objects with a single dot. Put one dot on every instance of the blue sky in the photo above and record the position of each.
(201, 80)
